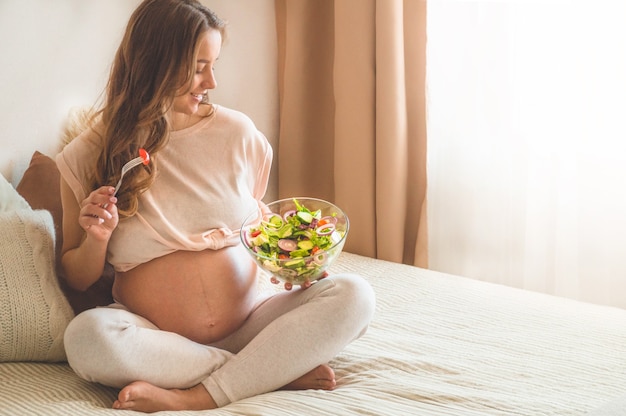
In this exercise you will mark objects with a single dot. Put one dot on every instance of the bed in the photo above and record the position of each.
(439, 345)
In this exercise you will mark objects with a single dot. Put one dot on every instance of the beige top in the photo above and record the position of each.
(211, 176)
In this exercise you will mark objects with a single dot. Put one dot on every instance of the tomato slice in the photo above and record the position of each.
(145, 157)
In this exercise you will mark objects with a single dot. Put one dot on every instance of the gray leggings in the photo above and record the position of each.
(287, 335)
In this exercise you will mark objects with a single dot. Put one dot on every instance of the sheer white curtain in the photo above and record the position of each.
(527, 144)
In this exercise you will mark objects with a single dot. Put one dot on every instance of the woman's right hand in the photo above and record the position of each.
(98, 213)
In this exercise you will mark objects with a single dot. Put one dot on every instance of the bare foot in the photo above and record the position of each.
(320, 378)
(145, 397)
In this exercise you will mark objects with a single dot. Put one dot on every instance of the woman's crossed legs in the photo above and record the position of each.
(285, 343)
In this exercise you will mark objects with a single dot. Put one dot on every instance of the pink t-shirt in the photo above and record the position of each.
(210, 177)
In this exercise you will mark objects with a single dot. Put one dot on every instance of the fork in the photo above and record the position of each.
(127, 166)
(143, 158)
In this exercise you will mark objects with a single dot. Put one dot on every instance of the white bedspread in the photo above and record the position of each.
(439, 345)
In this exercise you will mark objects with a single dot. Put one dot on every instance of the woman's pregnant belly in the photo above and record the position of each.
(202, 295)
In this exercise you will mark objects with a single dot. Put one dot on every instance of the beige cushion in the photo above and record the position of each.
(33, 310)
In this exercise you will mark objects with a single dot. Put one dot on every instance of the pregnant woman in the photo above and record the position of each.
(189, 328)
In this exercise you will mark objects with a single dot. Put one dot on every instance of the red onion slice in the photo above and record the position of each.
(320, 258)
(326, 229)
(329, 219)
(289, 213)
(287, 244)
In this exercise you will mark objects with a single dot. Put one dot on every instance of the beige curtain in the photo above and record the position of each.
(352, 117)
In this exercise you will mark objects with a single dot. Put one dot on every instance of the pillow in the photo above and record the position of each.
(33, 310)
(40, 186)
(9, 199)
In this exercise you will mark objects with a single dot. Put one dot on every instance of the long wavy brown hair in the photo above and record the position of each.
(155, 60)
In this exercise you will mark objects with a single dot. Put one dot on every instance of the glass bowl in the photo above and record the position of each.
(295, 239)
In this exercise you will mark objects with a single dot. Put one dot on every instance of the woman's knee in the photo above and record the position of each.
(92, 344)
(357, 296)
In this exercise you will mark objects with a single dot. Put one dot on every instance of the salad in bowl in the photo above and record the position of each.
(295, 239)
